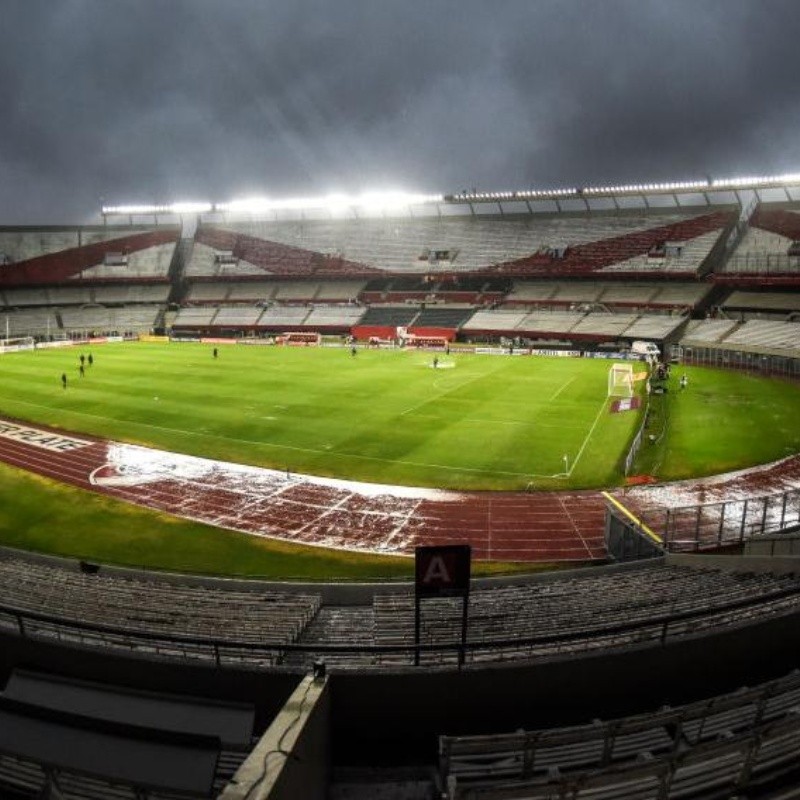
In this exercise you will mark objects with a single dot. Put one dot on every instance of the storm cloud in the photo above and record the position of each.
(160, 100)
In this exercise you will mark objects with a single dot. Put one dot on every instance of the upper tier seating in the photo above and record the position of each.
(514, 244)
(764, 248)
(51, 255)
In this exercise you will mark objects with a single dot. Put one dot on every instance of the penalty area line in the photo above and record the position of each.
(588, 437)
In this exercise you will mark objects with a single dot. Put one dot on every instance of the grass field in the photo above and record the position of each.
(722, 421)
(383, 416)
(487, 422)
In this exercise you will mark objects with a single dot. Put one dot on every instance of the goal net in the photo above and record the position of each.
(620, 380)
(14, 344)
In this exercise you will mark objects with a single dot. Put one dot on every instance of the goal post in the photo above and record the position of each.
(15, 343)
(621, 380)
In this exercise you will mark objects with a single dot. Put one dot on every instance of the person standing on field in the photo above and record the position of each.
(64, 379)
(91, 360)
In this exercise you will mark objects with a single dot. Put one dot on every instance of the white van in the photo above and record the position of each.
(645, 349)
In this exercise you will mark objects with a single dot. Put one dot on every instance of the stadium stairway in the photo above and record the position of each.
(180, 258)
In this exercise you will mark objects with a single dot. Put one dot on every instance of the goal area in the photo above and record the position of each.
(300, 339)
(15, 343)
(620, 380)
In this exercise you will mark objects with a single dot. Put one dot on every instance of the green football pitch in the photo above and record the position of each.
(475, 422)
(486, 422)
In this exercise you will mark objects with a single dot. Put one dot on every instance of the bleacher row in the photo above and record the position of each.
(566, 616)
(83, 295)
(598, 610)
(752, 335)
(140, 317)
(622, 293)
(463, 244)
(719, 747)
(515, 323)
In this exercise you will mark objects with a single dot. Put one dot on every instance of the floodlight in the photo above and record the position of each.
(147, 210)
(371, 201)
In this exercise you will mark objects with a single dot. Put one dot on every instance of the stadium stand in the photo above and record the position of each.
(130, 318)
(284, 317)
(501, 321)
(390, 316)
(779, 305)
(28, 323)
(326, 318)
(583, 275)
(153, 744)
(152, 607)
(442, 317)
(590, 612)
(399, 246)
(728, 743)
(707, 331)
(50, 255)
(654, 326)
(237, 317)
(251, 291)
(193, 317)
(130, 293)
(600, 324)
(765, 335)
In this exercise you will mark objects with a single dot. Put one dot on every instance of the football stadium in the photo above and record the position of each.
(481, 495)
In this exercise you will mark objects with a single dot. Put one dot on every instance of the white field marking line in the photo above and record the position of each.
(448, 391)
(588, 436)
(574, 526)
(558, 392)
(291, 447)
(481, 420)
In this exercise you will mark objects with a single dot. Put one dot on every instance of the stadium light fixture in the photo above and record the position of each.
(368, 201)
(148, 210)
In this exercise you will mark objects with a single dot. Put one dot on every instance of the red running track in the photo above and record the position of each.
(542, 526)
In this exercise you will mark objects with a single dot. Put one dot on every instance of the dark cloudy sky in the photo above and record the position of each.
(160, 100)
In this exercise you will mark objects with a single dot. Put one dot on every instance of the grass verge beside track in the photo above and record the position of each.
(44, 516)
